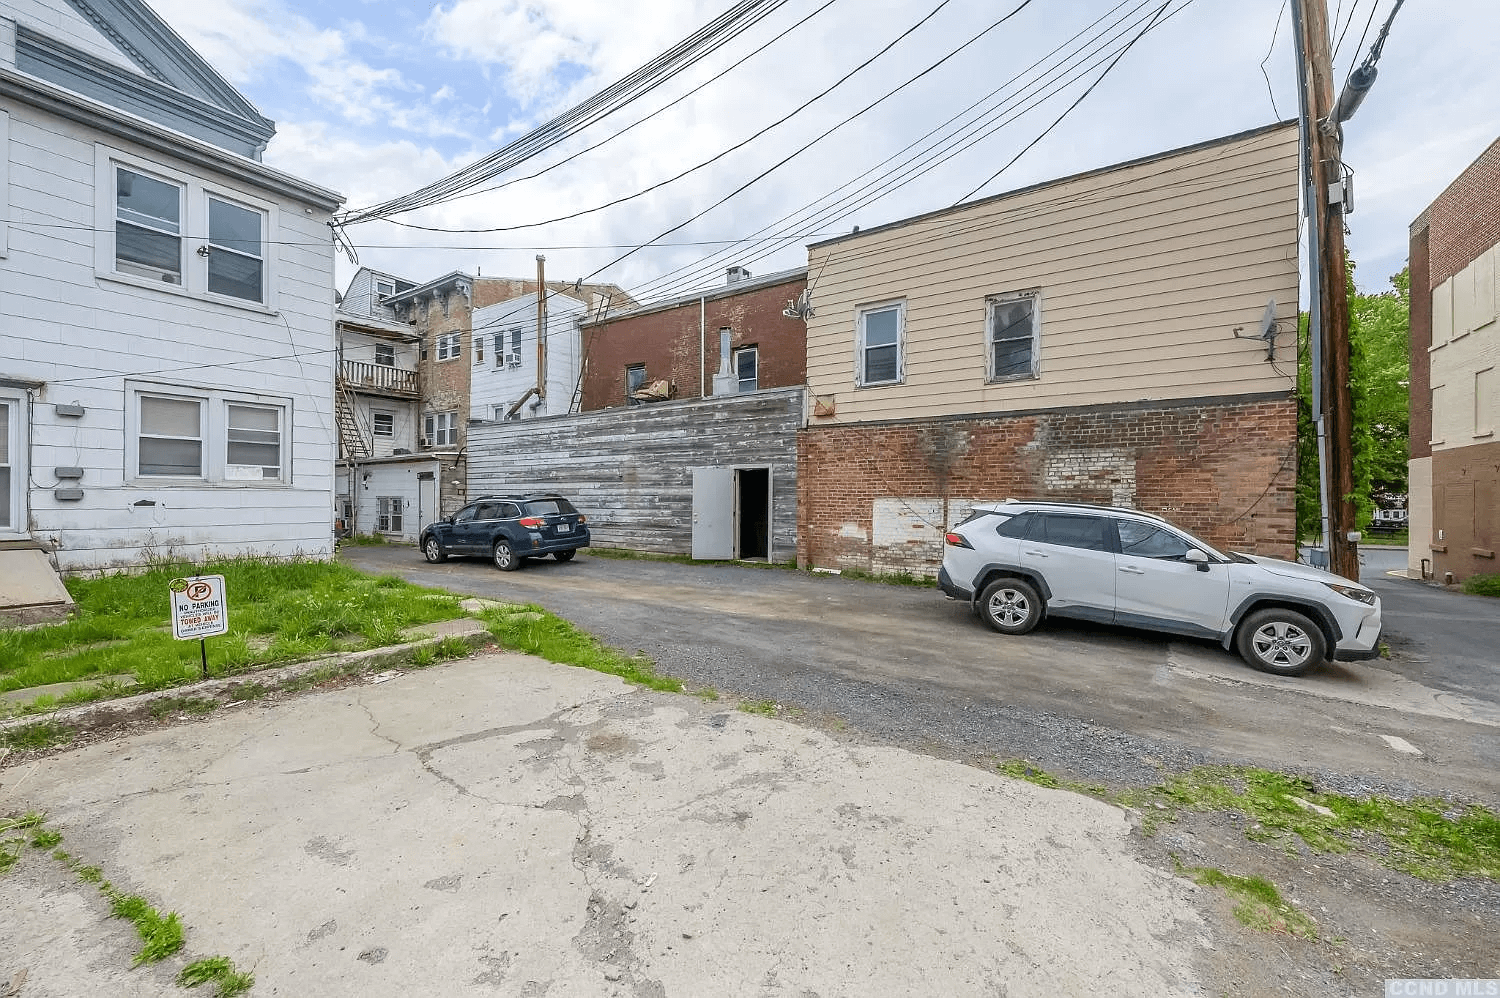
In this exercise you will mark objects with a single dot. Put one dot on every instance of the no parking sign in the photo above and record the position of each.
(198, 607)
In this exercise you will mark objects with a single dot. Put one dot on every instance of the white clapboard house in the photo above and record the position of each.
(166, 305)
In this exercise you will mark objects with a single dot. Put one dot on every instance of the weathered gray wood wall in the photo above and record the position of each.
(630, 469)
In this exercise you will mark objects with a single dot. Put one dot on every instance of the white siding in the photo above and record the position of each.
(1465, 356)
(1144, 272)
(493, 385)
(83, 336)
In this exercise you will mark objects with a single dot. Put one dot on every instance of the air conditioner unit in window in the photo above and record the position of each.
(513, 359)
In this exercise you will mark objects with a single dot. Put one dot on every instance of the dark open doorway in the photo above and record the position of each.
(753, 512)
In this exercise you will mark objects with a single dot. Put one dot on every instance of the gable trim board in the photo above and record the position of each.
(49, 59)
(183, 148)
(162, 53)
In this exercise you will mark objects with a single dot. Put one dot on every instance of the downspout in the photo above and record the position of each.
(541, 327)
(702, 346)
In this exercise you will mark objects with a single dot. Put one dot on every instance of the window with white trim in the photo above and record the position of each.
(383, 289)
(12, 462)
(206, 436)
(385, 355)
(747, 368)
(389, 509)
(1013, 332)
(441, 429)
(148, 226)
(879, 332)
(448, 345)
(383, 424)
(236, 251)
(478, 350)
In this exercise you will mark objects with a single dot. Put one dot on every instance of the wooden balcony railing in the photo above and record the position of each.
(378, 377)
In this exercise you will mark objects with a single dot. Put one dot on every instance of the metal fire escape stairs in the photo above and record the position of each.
(354, 442)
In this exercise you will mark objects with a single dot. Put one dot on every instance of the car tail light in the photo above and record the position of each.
(582, 518)
(958, 540)
(531, 521)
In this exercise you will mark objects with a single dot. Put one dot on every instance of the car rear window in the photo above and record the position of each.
(548, 507)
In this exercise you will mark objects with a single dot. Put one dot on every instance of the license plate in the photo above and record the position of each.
(564, 528)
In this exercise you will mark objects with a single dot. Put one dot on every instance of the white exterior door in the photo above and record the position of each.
(713, 514)
(12, 465)
(427, 500)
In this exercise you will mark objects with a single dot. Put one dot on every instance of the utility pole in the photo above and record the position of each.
(1333, 400)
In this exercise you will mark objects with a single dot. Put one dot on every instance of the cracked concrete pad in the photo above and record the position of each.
(504, 825)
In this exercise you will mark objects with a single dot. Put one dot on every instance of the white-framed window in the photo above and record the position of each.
(148, 226)
(1013, 335)
(448, 345)
(4, 182)
(13, 472)
(385, 355)
(441, 429)
(478, 350)
(236, 250)
(498, 412)
(1485, 402)
(389, 510)
(383, 424)
(384, 288)
(171, 231)
(880, 332)
(747, 368)
(197, 436)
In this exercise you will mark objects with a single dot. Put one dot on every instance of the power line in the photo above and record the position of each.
(1270, 49)
(711, 160)
(698, 45)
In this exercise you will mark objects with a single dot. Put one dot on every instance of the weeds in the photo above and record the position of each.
(1260, 905)
(1428, 838)
(219, 971)
(532, 630)
(891, 578)
(45, 839)
(191, 706)
(1482, 585)
(41, 735)
(765, 708)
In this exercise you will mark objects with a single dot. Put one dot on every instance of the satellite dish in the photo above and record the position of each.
(1268, 321)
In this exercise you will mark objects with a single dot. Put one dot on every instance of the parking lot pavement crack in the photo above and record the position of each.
(375, 724)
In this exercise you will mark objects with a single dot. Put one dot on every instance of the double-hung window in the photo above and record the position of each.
(385, 355)
(635, 378)
(171, 437)
(879, 332)
(448, 345)
(383, 424)
(1013, 334)
(390, 509)
(148, 227)
(383, 289)
(209, 436)
(747, 368)
(441, 429)
(169, 230)
(236, 251)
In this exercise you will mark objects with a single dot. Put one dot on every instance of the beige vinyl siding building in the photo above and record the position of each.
(1143, 273)
(1129, 297)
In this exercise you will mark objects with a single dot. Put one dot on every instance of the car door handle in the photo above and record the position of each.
(1035, 554)
(1132, 571)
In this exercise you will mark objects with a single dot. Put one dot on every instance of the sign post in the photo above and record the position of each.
(199, 610)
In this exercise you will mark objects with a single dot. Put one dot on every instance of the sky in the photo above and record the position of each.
(376, 99)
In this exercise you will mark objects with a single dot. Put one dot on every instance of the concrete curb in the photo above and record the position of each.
(124, 710)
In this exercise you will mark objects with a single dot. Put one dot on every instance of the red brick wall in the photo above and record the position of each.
(667, 342)
(1420, 392)
(1464, 221)
(1223, 470)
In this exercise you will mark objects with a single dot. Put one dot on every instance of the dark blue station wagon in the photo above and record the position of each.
(508, 530)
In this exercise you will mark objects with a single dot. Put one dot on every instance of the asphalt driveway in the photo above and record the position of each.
(905, 665)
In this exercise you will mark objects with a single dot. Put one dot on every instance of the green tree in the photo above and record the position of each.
(1380, 375)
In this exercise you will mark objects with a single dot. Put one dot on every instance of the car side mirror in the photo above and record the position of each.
(1196, 557)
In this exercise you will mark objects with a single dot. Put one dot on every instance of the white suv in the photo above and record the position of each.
(1017, 561)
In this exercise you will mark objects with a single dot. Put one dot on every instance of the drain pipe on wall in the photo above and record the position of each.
(702, 346)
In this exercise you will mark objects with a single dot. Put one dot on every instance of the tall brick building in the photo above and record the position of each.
(442, 314)
(1089, 339)
(1454, 470)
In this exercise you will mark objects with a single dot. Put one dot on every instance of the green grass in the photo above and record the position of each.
(530, 629)
(161, 936)
(363, 540)
(1259, 904)
(891, 578)
(1428, 838)
(765, 708)
(278, 611)
(1399, 539)
(42, 734)
(1482, 585)
(219, 971)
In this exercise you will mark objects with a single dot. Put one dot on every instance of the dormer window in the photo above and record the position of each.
(383, 289)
